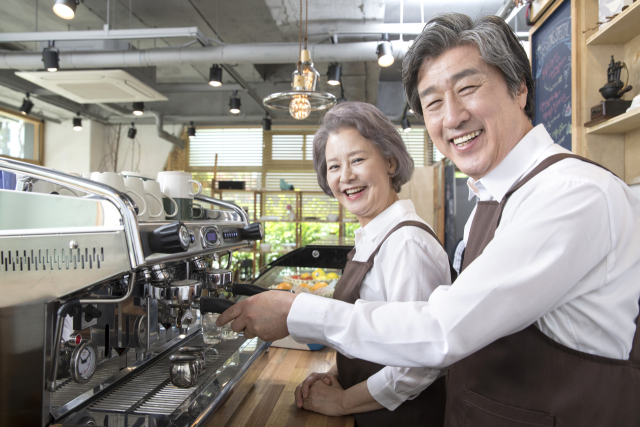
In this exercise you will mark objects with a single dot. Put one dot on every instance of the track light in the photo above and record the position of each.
(334, 73)
(50, 58)
(266, 123)
(77, 123)
(215, 76)
(385, 51)
(65, 9)
(234, 103)
(131, 133)
(411, 110)
(191, 131)
(406, 126)
(27, 105)
(138, 108)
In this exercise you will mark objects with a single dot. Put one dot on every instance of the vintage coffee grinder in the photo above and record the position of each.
(612, 91)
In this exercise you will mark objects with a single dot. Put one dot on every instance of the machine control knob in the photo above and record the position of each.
(253, 232)
(170, 239)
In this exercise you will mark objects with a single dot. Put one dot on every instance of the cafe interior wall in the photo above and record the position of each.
(88, 150)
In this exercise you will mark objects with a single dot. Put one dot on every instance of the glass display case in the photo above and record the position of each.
(313, 269)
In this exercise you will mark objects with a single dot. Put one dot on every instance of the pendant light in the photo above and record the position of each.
(77, 123)
(65, 9)
(215, 76)
(27, 105)
(234, 103)
(50, 57)
(138, 108)
(303, 98)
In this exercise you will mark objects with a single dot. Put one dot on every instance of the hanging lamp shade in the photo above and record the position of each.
(303, 98)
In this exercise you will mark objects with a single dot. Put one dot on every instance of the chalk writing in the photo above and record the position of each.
(552, 87)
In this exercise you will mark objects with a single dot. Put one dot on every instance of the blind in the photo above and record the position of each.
(234, 147)
(414, 140)
(434, 154)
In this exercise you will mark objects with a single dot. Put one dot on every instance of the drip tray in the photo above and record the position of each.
(147, 396)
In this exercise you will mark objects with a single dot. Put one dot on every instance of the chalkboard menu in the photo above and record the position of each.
(551, 63)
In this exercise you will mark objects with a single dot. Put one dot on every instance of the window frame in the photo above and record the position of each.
(39, 144)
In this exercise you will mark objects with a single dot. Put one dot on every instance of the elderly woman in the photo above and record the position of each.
(362, 161)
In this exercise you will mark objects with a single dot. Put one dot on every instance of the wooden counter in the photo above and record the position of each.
(264, 397)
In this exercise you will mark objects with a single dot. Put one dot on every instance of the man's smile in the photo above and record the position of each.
(463, 140)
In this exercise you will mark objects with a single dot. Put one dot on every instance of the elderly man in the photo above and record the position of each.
(540, 327)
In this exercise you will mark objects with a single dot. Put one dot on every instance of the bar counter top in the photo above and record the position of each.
(264, 396)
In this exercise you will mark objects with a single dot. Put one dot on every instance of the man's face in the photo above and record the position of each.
(469, 112)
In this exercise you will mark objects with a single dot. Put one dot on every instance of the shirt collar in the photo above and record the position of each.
(521, 158)
(386, 220)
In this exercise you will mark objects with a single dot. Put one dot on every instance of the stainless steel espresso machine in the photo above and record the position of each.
(100, 320)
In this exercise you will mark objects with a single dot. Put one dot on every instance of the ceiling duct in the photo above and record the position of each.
(94, 86)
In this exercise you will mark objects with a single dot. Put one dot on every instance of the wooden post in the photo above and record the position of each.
(215, 175)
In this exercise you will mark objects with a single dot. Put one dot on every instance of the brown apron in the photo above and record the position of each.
(427, 409)
(528, 379)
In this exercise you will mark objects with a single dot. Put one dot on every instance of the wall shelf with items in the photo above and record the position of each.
(621, 124)
(614, 143)
(620, 29)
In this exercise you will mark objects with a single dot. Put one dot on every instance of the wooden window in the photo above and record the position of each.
(21, 137)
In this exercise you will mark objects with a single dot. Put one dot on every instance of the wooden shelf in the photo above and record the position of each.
(620, 124)
(620, 29)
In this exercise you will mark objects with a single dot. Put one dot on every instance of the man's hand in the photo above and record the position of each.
(263, 315)
(326, 399)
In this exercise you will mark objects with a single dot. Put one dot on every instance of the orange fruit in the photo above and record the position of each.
(305, 285)
(284, 285)
(319, 285)
(305, 276)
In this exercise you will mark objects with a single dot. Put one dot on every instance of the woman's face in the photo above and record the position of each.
(358, 175)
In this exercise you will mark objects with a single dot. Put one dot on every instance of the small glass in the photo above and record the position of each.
(228, 333)
(211, 334)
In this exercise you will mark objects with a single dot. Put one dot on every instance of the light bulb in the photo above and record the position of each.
(300, 107)
(63, 11)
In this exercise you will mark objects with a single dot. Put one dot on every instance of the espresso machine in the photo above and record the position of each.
(100, 320)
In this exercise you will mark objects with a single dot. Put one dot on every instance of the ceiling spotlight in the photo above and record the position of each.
(65, 9)
(131, 133)
(191, 131)
(138, 108)
(77, 123)
(234, 103)
(215, 76)
(385, 51)
(334, 74)
(406, 126)
(266, 123)
(50, 58)
(411, 110)
(27, 105)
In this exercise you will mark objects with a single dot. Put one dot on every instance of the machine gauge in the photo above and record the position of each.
(210, 237)
(83, 362)
(140, 330)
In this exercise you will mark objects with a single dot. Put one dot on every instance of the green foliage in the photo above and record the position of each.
(350, 227)
(314, 231)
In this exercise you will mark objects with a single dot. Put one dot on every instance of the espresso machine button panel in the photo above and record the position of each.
(210, 237)
(231, 235)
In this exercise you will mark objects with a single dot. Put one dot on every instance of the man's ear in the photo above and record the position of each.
(523, 92)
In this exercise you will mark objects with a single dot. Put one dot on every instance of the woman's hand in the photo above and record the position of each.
(302, 391)
(325, 396)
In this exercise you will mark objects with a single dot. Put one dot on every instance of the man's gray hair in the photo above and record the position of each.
(373, 125)
(498, 45)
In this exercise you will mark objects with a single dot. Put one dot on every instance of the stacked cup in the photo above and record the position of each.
(179, 186)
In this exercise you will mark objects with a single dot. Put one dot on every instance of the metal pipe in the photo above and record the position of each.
(120, 200)
(132, 281)
(165, 135)
(228, 54)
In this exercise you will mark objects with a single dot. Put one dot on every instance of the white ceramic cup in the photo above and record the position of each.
(178, 184)
(154, 201)
(116, 181)
(136, 186)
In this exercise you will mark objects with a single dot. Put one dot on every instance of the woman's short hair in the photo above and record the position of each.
(498, 45)
(373, 125)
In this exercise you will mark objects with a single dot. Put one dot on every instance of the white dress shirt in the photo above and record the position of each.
(566, 256)
(408, 267)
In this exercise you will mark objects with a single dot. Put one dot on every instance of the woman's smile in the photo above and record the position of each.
(354, 193)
